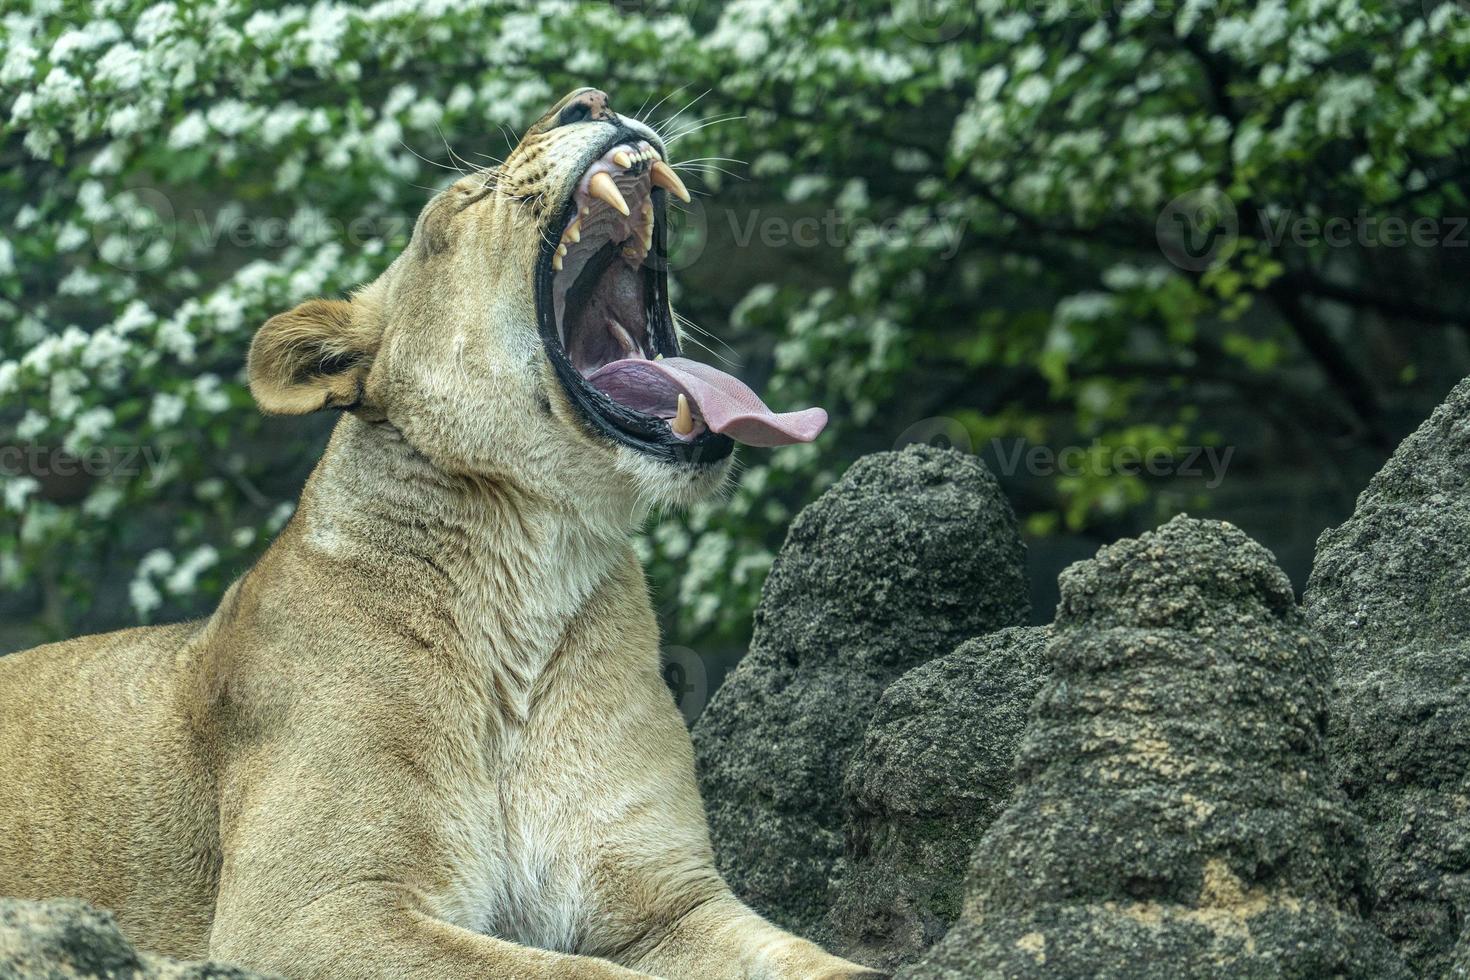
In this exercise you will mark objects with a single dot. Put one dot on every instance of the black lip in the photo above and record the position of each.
(646, 433)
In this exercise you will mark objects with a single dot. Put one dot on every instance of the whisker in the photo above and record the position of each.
(641, 109)
(691, 125)
(697, 127)
(453, 157)
(432, 163)
(703, 170)
(688, 106)
(510, 140)
(691, 339)
(733, 360)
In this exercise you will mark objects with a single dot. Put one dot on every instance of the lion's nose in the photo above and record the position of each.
(585, 104)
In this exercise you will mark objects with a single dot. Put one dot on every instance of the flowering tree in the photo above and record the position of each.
(1047, 218)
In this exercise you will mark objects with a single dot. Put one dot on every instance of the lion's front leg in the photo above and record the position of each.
(723, 939)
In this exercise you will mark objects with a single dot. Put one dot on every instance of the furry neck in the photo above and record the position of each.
(506, 569)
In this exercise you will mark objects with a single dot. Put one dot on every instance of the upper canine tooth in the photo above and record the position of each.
(664, 176)
(622, 159)
(602, 187)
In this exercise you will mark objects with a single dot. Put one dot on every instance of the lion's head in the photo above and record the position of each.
(526, 333)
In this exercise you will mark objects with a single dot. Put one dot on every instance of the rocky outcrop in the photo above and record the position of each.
(901, 560)
(1460, 960)
(933, 772)
(1173, 813)
(1390, 593)
(66, 939)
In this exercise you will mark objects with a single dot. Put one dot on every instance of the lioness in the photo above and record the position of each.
(426, 734)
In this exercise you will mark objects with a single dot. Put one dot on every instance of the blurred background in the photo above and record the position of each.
(1142, 256)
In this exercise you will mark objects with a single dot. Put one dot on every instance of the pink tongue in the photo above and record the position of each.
(724, 402)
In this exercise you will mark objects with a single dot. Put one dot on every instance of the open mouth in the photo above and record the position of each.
(602, 303)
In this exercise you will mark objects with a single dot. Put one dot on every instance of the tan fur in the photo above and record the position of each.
(425, 735)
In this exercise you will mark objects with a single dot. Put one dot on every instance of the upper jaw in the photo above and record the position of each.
(608, 241)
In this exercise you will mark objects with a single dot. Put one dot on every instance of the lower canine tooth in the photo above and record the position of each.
(683, 422)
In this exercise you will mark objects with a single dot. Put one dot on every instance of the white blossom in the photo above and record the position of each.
(17, 490)
(166, 410)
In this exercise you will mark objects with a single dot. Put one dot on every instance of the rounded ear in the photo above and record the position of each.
(313, 357)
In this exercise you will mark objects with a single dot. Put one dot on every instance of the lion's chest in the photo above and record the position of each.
(522, 863)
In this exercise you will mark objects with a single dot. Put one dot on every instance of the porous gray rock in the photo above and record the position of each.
(1460, 960)
(1390, 593)
(906, 556)
(67, 939)
(933, 772)
(1173, 814)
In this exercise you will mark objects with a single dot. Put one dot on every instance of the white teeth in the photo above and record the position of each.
(683, 422)
(635, 234)
(602, 187)
(627, 157)
(663, 176)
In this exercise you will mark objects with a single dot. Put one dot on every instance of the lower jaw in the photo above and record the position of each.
(646, 435)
